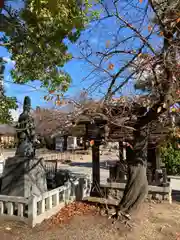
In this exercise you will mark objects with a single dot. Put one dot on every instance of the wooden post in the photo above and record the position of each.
(151, 162)
(120, 151)
(65, 144)
(151, 155)
(95, 191)
(84, 144)
(158, 159)
(85, 137)
(158, 171)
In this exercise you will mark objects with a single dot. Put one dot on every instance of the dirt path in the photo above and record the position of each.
(154, 222)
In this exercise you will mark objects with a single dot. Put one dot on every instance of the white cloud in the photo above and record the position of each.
(16, 113)
(9, 61)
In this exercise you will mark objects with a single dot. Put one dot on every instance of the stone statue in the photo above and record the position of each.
(26, 131)
(24, 174)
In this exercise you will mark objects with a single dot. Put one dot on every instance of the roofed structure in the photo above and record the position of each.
(121, 114)
(7, 130)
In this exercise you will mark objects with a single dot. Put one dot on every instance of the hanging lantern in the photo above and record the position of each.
(91, 143)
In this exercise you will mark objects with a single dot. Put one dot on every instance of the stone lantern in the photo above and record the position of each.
(95, 129)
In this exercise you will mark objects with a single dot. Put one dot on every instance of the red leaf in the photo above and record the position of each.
(111, 66)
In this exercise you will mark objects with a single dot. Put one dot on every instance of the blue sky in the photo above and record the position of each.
(76, 68)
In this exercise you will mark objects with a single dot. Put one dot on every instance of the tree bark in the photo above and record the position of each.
(136, 188)
(137, 185)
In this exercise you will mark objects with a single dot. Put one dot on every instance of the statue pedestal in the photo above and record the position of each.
(23, 177)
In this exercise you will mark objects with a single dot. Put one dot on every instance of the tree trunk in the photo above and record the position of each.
(137, 186)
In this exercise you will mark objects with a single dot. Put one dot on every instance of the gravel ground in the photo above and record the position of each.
(153, 222)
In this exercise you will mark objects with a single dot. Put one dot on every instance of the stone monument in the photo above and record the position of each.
(24, 174)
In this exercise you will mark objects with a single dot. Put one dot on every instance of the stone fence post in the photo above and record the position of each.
(32, 211)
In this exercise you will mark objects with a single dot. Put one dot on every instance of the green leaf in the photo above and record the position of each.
(35, 38)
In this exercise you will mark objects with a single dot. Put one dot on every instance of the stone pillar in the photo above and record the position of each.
(75, 142)
(124, 151)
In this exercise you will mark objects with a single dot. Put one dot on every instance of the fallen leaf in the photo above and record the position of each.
(69, 211)
(161, 34)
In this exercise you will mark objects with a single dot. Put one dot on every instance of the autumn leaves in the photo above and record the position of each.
(58, 100)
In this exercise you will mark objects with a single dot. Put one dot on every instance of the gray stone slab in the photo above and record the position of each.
(23, 177)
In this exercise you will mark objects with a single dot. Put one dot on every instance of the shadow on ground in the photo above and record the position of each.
(176, 196)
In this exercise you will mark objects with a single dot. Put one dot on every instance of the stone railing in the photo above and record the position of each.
(57, 156)
(37, 208)
(174, 182)
(47, 156)
(175, 186)
(14, 208)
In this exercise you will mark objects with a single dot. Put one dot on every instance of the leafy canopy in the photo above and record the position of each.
(171, 157)
(37, 35)
(7, 103)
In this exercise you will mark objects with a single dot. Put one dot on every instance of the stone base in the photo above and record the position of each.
(116, 190)
(23, 177)
(117, 194)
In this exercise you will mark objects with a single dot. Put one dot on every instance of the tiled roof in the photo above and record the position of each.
(6, 129)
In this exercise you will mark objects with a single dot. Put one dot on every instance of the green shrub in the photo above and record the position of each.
(171, 157)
